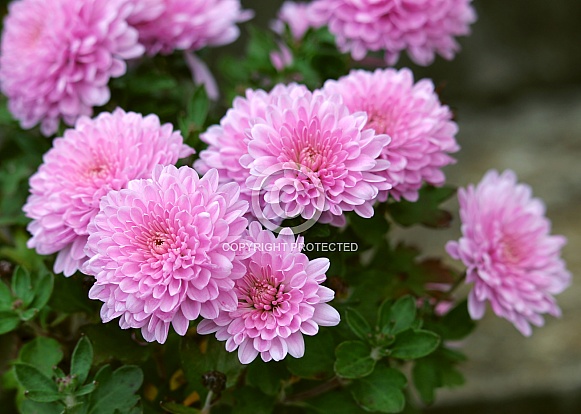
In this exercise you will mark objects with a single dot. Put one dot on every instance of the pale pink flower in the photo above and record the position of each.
(98, 156)
(57, 57)
(421, 128)
(281, 58)
(422, 27)
(312, 157)
(157, 252)
(299, 17)
(279, 299)
(510, 257)
(228, 142)
(188, 24)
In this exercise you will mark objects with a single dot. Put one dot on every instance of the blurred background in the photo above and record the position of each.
(516, 90)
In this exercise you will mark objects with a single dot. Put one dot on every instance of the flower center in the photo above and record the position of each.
(159, 243)
(310, 157)
(263, 294)
(510, 250)
(379, 121)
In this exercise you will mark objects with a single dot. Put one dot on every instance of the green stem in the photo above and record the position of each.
(208, 403)
(313, 392)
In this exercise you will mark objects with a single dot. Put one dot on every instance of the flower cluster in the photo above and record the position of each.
(59, 68)
(97, 156)
(299, 17)
(510, 257)
(423, 27)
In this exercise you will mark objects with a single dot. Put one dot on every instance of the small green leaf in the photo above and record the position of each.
(42, 353)
(358, 324)
(22, 286)
(457, 324)
(86, 389)
(426, 210)
(317, 363)
(397, 317)
(334, 402)
(248, 400)
(198, 107)
(32, 407)
(42, 396)
(82, 359)
(28, 314)
(372, 230)
(381, 391)
(426, 378)
(8, 321)
(115, 390)
(5, 297)
(265, 376)
(42, 290)
(176, 408)
(414, 344)
(34, 380)
(354, 360)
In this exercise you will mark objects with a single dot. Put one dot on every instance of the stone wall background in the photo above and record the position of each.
(516, 90)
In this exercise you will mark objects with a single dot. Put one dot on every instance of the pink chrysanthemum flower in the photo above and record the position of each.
(422, 27)
(188, 24)
(279, 299)
(510, 257)
(57, 57)
(228, 142)
(299, 17)
(312, 157)
(98, 156)
(421, 128)
(157, 251)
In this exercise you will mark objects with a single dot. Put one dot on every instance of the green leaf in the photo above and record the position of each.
(354, 360)
(457, 324)
(426, 210)
(198, 107)
(206, 355)
(396, 318)
(32, 407)
(248, 400)
(426, 378)
(111, 343)
(5, 297)
(70, 296)
(176, 408)
(381, 391)
(373, 229)
(267, 377)
(335, 402)
(86, 389)
(414, 344)
(34, 380)
(43, 396)
(115, 390)
(42, 353)
(358, 324)
(317, 363)
(28, 314)
(42, 290)
(8, 321)
(22, 286)
(82, 359)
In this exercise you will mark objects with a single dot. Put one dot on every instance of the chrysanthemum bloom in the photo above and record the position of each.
(99, 155)
(421, 128)
(279, 299)
(311, 156)
(510, 257)
(188, 24)
(57, 57)
(298, 17)
(228, 142)
(422, 27)
(157, 251)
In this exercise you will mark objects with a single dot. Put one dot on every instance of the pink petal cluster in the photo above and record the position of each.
(57, 57)
(312, 157)
(98, 156)
(422, 27)
(421, 128)
(157, 251)
(299, 17)
(279, 299)
(228, 142)
(510, 257)
(167, 25)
